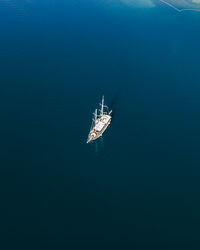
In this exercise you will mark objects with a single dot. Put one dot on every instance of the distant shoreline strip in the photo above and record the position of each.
(178, 10)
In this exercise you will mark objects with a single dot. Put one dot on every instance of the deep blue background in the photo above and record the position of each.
(139, 187)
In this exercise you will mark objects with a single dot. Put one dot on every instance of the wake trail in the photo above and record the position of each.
(175, 8)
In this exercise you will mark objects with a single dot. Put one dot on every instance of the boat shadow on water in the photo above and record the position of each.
(97, 145)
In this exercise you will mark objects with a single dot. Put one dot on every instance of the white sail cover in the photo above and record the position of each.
(102, 122)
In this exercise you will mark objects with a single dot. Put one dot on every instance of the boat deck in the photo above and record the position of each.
(99, 127)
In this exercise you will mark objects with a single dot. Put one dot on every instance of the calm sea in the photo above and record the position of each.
(138, 187)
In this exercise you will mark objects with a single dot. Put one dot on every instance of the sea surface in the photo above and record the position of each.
(139, 186)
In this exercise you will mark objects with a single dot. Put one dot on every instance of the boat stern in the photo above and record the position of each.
(92, 135)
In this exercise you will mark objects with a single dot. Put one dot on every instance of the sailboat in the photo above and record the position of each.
(100, 122)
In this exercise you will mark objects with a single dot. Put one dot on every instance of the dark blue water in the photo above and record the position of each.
(138, 188)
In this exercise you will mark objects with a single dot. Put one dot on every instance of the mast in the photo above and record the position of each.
(102, 105)
(95, 115)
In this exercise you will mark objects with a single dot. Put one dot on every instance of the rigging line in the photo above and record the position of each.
(175, 8)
